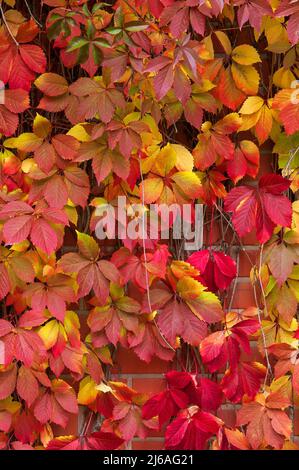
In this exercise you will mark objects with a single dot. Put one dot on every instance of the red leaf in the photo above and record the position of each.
(217, 270)
(43, 236)
(262, 208)
(8, 381)
(27, 385)
(95, 441)
(191, 430)
(34, 58)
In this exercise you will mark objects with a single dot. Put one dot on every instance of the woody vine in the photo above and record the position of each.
(167, 102)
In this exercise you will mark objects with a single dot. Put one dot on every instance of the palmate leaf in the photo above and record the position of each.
(276, 424)
(59, 185)
(93, 273)
(56, 404)
(47, 153)
(217, 269)
(191, 429)
(222, 346)
(119, 314)
(24, 221)
(290, 9)
(214, 144)
(262, 208)
(96, 98)
(19, 65)
(188, 316)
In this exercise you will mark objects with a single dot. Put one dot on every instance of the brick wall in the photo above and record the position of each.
(149, 378)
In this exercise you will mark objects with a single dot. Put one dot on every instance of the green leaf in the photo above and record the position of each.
(83, 54)
(113, 30)
(99, 42)
(77, 43)
(90, 30)
(55, 29)
(97, 54)
(119, 17)
(135, 26)
(99, 6)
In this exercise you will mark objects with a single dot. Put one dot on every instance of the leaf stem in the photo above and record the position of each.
(7, 27)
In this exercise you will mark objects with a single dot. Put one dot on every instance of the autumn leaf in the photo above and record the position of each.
(96, 98)
(217, 270)
(252, 208)
(266, 422)
(222, 346)
(214, 145)
(95, 441)
(20, 64)
(23, 221)
(257, 114)
(191, 430)
(15, 101)
(93, 273)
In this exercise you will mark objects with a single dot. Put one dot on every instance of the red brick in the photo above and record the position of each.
(126, 362)
(149, 386)
(243, 297)
(246, 260)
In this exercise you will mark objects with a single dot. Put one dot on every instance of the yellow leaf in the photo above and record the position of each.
(224, 41)
(152, 188)
(28, 165)
(264, 125)
(10, 405)
(251, 105)
(41, 126)
(26, 142)
(189, 288)
(189, 183)
(245, 55)
(249, 121)
(276, 35)
(79, 132)
(49, 333)
(184, 159)
(167, 197)
(87, 391)
(72, 214)
(11, 3)
(283, 78)
(246, 78)
(165, 160)
(116, 291)
(102, 387)
(202, 87)
(87, 246)
(206, 51)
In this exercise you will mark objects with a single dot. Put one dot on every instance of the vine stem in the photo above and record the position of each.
(86, 424)
(269, 368)
(235, 283)
(31, 14)
(7, 27)
(145, 257)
